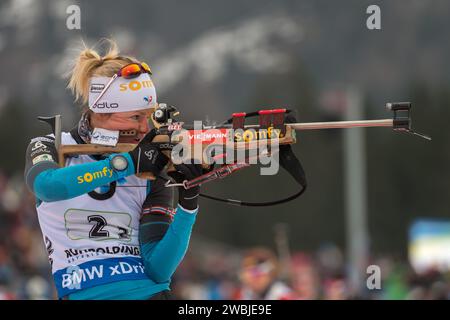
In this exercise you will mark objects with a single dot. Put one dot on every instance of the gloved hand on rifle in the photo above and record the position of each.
(187, 198)
(148, 156)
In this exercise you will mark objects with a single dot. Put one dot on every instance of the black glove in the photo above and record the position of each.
(187, 198)
(147, 156)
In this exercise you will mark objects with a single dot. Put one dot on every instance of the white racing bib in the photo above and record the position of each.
(92, 242)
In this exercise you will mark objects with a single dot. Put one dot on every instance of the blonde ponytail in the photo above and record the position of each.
(90, 63)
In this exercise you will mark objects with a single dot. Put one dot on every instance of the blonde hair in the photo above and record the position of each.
(90, 63)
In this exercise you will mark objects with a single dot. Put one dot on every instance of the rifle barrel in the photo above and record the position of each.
(338, 124)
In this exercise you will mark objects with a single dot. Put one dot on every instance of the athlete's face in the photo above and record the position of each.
(130, 120)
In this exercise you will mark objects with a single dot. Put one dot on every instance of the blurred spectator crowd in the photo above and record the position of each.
(210, 270)
(226, 274)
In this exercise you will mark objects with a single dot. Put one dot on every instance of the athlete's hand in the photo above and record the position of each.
(147, 156)
(187, 198)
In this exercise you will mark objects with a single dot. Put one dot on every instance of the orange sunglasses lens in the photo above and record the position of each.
(130, 71)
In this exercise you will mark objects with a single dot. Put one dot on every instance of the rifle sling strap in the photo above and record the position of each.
(292, 165)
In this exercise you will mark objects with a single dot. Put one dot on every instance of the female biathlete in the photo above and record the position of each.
(110, 234)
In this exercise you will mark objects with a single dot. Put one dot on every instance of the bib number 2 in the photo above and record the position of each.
(97, 230)
(98, 225)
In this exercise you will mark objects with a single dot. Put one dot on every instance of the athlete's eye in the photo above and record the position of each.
(136, 117)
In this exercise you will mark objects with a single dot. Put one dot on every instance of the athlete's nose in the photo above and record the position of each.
(144, 126)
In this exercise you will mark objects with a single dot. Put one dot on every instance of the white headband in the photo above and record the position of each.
(123, 94)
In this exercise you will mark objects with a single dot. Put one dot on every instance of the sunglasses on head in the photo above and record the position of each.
(130, 71)
(133, 70)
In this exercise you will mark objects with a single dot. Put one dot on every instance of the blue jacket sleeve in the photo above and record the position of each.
(164, 242)
(55, 184)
